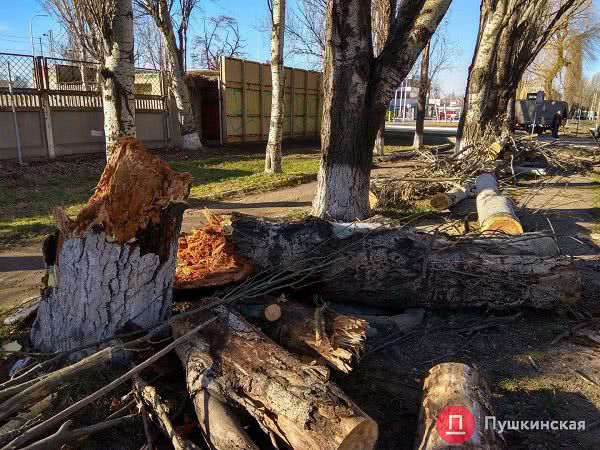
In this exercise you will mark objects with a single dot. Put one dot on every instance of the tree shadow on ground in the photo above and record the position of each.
(387, 384)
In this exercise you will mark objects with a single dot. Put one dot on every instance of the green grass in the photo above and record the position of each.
(218, 178)
(26, 204)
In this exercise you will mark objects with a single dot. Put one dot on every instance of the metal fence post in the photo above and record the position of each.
(45, 101)
(12, 102)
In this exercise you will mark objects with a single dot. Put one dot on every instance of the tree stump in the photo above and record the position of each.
(113, 266)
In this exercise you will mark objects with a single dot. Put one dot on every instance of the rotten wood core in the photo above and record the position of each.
(394, 268)
(292, 402)
(111, 269)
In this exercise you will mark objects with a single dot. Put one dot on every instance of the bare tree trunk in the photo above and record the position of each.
(511, 34)
(273, 155)
(357, 91)
(422, 100)
(187, 125)
(118, 77)
(383, 13)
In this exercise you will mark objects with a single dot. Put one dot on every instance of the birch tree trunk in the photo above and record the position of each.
(273, 154)
(118, 75)
(422, 100)
(159, 10)
(357, 91)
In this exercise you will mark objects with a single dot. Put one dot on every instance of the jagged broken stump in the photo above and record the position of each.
(111, 269)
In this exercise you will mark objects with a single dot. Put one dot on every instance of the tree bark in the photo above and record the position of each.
(273, 155)
(396, 269)
(383, 14)
(236, 362)
(114, 263)
(455, 395)
(511, 34)
(220, 425)
(160, 11)
(422, 100)
(357, 90)
(117, 72)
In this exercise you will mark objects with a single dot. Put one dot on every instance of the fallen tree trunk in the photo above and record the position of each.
(394, 268)
(114, 264)
(317, 332)
(494, 211)
(456, 401)
(290, 400)
(445, 200)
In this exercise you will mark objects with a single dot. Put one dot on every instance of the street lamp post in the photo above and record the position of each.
(31, 30)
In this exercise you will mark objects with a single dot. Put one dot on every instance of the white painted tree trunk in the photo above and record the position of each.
(273, 154)
(118, 75)
(357, 91)
(187, 125)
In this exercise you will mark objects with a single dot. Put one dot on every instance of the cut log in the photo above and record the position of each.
(495, 212)
(393, 268)
(446, 200)
(115, 263)
(455, 402)
(318, 332)
(236, 362)
(221, 427)
(270, 311)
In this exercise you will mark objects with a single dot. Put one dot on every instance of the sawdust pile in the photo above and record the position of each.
(206, 258)
(134, 188)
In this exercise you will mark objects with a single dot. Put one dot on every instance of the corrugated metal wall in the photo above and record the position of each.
(246, 87)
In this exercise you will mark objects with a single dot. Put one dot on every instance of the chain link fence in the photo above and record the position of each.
(26, 72)
(18, 70)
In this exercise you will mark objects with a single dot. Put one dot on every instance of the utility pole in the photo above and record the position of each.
(41, 47)
(51, 40)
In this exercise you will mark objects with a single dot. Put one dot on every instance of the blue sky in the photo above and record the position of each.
(462, 26)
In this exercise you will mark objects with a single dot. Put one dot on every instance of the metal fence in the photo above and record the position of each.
(57, 106)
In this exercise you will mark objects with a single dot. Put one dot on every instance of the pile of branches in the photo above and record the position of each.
(438, 172)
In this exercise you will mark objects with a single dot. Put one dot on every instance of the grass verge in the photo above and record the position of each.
(28, 198)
